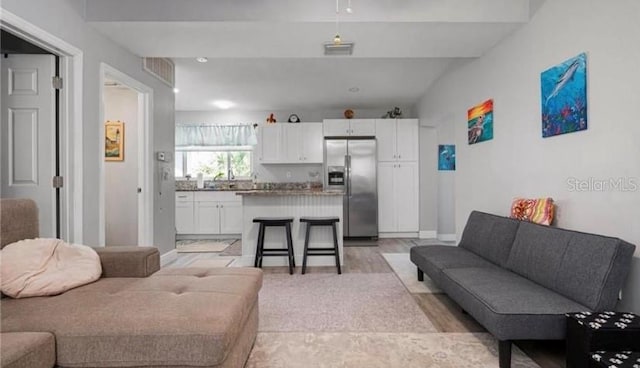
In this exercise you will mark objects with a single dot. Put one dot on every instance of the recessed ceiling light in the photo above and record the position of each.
(354, 89)
(223, 104)
(202, 59)
(175, 90)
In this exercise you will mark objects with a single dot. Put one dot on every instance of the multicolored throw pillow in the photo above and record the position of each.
(539, 211)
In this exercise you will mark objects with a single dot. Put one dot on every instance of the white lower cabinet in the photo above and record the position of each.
(231, 218)
(398, 197)
(204, 213)
(184, 217)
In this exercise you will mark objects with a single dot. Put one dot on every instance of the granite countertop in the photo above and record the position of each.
(289, 192)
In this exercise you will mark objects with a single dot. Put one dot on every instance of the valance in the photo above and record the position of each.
(202, 135)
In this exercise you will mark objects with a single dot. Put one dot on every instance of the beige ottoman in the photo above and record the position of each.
(173, 318)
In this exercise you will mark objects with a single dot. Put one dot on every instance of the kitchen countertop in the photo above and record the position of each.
(292, 192)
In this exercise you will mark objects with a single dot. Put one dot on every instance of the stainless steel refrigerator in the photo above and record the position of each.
(350, 166)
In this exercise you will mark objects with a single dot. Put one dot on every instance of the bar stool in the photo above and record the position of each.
(278, 252)
(321, 221)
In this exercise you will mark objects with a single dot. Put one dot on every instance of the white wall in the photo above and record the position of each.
(518, 162)
(121, 197)
(64, 19)
(276, 173)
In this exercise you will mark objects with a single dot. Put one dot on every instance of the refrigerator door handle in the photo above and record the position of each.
(349, 177)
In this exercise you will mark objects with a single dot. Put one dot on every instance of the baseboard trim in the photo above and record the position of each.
(397, 235)
(168, 257)
(447, 237)
(428, 234)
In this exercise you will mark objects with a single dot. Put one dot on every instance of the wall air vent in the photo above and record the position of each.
(161, 68)
(344, 48)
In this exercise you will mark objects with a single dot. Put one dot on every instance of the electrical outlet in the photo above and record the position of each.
(288, 174)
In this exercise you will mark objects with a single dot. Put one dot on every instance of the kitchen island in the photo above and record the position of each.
(294, 203)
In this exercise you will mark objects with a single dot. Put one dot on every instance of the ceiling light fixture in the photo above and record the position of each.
(202, 59)
(349, 8)
(223, 104)
(337, 46)
(175, 90)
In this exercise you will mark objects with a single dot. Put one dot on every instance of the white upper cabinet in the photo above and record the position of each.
(397, 139)
(290, 143)
(312, 143)
(271, 143)
(336, 127)
(349, 127)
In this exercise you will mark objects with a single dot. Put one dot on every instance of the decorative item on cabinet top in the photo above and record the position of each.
(348, 113)
(396, 113)
(293, 118)
(271, 119)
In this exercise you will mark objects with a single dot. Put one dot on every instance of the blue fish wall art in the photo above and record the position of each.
(564, 97)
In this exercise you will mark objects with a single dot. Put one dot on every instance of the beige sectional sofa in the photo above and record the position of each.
(134, 316)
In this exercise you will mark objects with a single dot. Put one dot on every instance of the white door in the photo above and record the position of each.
(386, 137)
(271, 143)
(292, 137)
(312, 143)
(386, 197)
(207, 218)
(28, 134)
(231, 218)
(363, 127)
(336, 127)
(184, 217)
(406, 189)
(407, 146)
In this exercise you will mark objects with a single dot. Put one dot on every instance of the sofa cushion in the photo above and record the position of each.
(489, 236)
(598, 284)
(176, 317)
(27, 350)
(433, 259)
(508, 305)
(587, 268)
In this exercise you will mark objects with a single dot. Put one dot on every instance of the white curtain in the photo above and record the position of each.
(202, 135)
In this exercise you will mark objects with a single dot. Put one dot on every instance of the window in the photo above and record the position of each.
(224, 164)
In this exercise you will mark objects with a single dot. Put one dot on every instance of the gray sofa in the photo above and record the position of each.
(134, 316)
(518, 279)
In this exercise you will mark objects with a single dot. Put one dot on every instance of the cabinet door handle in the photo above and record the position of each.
(399, 156)
(182, 196)
(221, 206)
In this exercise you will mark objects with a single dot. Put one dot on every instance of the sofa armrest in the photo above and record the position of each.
(128, 261)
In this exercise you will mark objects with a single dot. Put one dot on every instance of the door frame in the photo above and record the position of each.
(70, 115)
(144, 155)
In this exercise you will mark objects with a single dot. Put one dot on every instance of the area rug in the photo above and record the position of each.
(373, 302)
(211, 263)
(203, 246)
(383, 350)
(407, 273)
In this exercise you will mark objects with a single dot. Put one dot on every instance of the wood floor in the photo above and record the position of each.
(443, 312)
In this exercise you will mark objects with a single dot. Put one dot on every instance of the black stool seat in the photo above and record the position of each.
(320, 221)
(333, 251)
(274, 221)
(262, 252)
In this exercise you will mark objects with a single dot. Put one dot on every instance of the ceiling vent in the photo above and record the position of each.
(161, 68)
(344, 48)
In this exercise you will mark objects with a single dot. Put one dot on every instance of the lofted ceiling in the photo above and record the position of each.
(267, 54)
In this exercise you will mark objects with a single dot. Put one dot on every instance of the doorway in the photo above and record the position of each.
(30, 130)
(126, 194)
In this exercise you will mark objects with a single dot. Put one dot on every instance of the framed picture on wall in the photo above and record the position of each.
(114, 141)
